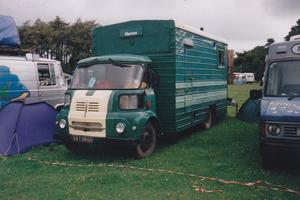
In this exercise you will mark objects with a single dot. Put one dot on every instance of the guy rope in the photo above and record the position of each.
(258, 183)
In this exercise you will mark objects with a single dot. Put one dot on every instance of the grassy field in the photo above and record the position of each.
(228, 151)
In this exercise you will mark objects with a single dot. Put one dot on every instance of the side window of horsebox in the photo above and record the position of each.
(221, 58)
(46, 74)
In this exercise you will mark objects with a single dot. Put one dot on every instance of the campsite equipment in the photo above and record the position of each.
(9, 35)
(23, 126)
(280, 104)
(26, 80)
(147, 78)
(250, 110)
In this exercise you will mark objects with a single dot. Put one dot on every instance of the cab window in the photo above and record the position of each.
(46, 74)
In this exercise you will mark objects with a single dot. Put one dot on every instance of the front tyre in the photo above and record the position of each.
(147, 142)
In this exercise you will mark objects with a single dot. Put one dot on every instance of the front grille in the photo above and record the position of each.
(87, 126)
(291, 131)
(86, 123)
(93, 107)
(80, 106)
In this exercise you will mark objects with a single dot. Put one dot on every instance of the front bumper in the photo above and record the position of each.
(280, 147)
(64, 138)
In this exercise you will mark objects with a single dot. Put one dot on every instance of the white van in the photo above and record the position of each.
(249, 77)
(31, 79)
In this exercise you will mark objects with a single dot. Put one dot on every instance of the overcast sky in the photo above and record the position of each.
(244, 24)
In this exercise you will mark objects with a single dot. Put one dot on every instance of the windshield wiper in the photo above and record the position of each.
(292, 97)
(117, 64)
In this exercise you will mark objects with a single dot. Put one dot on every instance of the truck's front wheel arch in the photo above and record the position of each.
(148, 140)
(154, 121)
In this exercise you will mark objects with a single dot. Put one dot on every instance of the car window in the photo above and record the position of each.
(46, 74)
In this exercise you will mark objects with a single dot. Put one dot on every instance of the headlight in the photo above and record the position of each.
(67, 99)
(127, 102)
(120, 128)
(62, 123)
(274, 129)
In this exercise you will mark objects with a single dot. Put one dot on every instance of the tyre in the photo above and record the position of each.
(209, 120)
(76, 147)
(147, 142)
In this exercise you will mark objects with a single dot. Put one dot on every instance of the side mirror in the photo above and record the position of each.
(59, 108)
(155, 80)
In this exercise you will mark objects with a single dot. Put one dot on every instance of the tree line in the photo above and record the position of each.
(70, 42)
(254, 59)
(59, 40)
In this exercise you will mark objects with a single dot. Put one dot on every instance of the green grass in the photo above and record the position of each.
(228, 151)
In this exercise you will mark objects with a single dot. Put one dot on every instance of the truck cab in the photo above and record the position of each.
(111, 97)
(280, 104)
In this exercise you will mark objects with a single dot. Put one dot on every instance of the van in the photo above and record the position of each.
(280, 104)
(31, 79)
(249, 77)
(147, 78)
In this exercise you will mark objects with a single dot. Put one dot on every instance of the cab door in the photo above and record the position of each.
(48, 89)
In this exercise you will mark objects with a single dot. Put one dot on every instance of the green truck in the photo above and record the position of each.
(147, 78)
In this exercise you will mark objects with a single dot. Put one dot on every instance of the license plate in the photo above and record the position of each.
(83, 139)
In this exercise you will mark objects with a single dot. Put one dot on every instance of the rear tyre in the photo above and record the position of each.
(147, 142)
(209, 120)
(76, 147)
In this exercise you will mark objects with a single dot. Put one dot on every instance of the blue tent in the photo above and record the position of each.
(9, 35)
(250, 110)
(23, 126)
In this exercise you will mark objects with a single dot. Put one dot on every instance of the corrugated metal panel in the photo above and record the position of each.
(200, 81)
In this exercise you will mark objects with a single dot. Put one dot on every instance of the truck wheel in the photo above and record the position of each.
(147, 143)
(76, 147)
(209, 120)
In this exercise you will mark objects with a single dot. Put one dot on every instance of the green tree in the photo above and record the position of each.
(269, 42)
(79, 41)
(295, 30)
(59, 40)
(251, 61)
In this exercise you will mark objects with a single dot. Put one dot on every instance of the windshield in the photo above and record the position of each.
(283, 79)
(108, 76)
